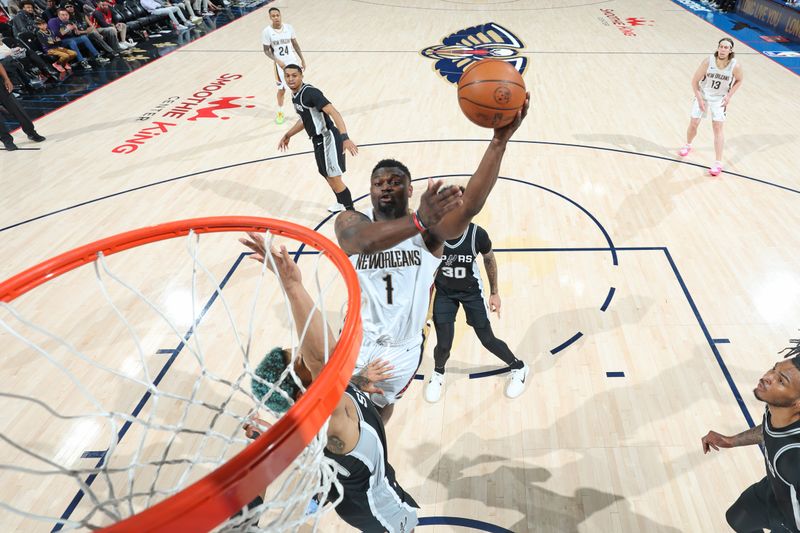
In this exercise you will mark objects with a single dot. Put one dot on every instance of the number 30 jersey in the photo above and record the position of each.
(395, 289)
(459, 271)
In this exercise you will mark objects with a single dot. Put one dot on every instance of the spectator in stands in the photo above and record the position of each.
(103, 20)
(29, 61)
(8, 101)
(107, 42)
(51, 11)
(23, 22)
(51, 44)
(13, 7)
(14, 70)
(163, 7)
(67, 31)
(192, 15)
(206, 8)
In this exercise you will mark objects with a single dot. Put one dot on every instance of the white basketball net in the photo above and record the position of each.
(75, 443)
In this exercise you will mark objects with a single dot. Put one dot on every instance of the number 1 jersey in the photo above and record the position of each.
(395, 289)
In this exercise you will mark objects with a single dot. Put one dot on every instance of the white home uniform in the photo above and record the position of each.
(714, 86)
(395, 296)
(281, 43)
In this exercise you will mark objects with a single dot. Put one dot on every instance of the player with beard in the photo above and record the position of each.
(396, 253)
(771, 503)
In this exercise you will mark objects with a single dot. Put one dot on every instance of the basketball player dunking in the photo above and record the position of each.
(396, 253)
(280, 45)
(716, 80)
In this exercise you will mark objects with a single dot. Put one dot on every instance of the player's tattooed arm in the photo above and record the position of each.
(751, 436)
(335, 445)
(714, 440)
(376, 371)
(494, 291)
(357, 234)
(490, 264)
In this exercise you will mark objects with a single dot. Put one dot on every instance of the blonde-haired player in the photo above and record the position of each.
(280, 45)
(716, 80)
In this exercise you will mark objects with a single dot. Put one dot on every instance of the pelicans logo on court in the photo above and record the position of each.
(464, 47)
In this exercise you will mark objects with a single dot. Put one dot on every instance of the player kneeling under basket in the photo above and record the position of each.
(356, 438)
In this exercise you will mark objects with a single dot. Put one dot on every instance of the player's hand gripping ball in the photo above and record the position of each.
(490, 92)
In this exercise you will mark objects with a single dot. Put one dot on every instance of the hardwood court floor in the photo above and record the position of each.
(596, 198)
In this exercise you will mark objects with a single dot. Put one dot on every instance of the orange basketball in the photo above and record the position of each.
(490, 92)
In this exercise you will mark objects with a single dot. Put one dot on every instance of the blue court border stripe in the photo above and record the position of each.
(605, 305)
(566, 343)
(94, 454)
(488, 373)
(714, 350)
(615, 374)
(369, 145)
(461, 522)
(146, 396)
(721, 341)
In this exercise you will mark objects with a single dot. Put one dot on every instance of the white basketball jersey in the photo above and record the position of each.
(281, 43)
(395, 289)
(717, 82)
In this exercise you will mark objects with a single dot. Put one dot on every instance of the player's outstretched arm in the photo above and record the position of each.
(745, 438)
(343, 427)
(481, 183)
(313, 348)
(357, 234)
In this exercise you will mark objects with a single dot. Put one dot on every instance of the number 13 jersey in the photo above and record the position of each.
(395, 289)
(717, 81)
